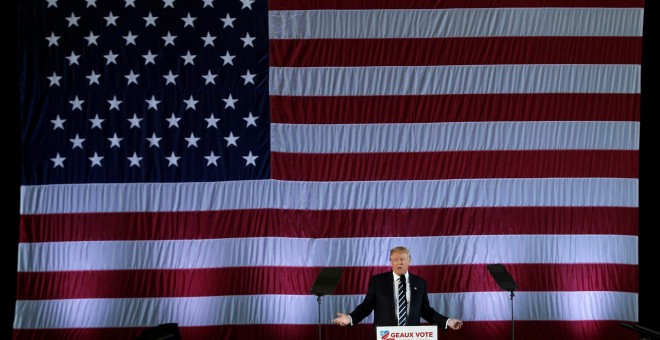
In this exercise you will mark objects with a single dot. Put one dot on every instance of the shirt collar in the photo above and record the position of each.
(396, 277)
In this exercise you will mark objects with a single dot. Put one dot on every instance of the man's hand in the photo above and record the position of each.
(454, 324)
(342, 320)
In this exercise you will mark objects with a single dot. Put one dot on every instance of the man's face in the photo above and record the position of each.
(400, 263)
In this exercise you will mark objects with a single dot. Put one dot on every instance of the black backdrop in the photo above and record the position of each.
(649, 254)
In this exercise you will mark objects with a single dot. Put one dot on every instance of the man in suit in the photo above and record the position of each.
(397, 298)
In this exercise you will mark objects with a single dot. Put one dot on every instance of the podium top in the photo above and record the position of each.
(429, 332)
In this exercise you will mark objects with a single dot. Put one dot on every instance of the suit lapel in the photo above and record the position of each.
(390, 293)
(414, 293)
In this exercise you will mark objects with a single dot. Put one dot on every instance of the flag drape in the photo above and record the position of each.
(198, 162)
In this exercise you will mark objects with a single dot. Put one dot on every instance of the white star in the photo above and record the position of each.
(58, 161)
(92, 39)
(73, 58)
(209, 77)
(130, 38)
(229, 102)
(76, 103)
(247, 41)
(247, 4)
(188, 21)
(249, 159)
(208, 3)
(173, 160)
(96, 122)
(227, 59)
(192, 140)
(77, 142)
(90, 3)
(170, 78)
(114, 103)
(190, 103)
(208, 39)
(111, 58)
(73, 20)
(129, 3)
(58, 123)
(168, 3)
(149, 58)
(135, 121)
(153, 103)
(228, 21)
(153, 140)
(151, 20)
(52, 40)
(212, 121)
(189, 58)
(212, 159)
(132, 78)
(249, 78)
(54, 79)
(114, 141)
(174, 121)
(111, 19)
(135, 160)
(231, 139)
(51, 3)
(169, 39)
(96, 160)
(251, 120)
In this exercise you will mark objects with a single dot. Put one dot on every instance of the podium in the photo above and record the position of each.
(429, 332)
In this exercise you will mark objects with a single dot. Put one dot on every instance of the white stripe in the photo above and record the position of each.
(438, 137)
(460, 193)
(368, 251)
(277, 309)
(452, 23)
(462, 79)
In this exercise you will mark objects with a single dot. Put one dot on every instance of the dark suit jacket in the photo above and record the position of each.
(380, 300)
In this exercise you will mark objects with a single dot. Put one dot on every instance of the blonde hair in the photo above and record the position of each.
(399, 249)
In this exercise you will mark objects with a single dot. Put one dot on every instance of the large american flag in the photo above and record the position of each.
(199, 162)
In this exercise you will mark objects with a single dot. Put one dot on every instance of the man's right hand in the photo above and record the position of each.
(342, 320)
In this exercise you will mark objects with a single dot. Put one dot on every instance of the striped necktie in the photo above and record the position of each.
(403, 303)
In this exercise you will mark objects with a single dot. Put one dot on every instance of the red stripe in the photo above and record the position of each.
(455, 108)
(298, 281)
(602, 330)
(329, 223)
(455, 51)
(281, 5)
(429, 165)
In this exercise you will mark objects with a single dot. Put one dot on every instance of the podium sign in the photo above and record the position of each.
(407, 332)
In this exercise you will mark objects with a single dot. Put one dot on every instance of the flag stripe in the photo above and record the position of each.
(583, 329)
(428, 165)
(298, 280)
(456, 108)
(475, 136)
(328, 223)
(88, 198)
(272, 309)
(454, 51)
(278, 5)
(441, 23)
(468, 79)
(269, 251)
